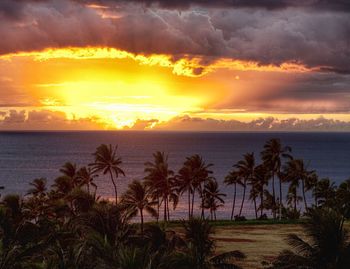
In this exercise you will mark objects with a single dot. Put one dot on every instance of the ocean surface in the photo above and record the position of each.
(28, 155)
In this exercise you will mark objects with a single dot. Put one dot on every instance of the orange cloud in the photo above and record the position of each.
(186, 65)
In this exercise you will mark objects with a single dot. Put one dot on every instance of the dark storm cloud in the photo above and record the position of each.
(339, 5)
(270, 32)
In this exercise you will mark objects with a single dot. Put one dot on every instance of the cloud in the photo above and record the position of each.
(140, 125)
(187, 123)
(45, 120)
(338, 5)
(282, 31)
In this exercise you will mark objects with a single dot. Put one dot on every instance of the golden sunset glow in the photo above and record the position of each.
(116, 88)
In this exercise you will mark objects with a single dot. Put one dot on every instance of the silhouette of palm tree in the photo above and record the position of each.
(245, 169)
(213, 198)
(107, 162)
(70, 170)
(343, 198)
(326, 246)
(260, 180)
(86, 178)
(296, 173)
(161, 182)
(233, 178)
(325, 192)
(194, 173)
(272, 157)
(137, 200)
(38, 187)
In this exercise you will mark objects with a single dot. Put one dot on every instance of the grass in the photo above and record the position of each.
(260, 240)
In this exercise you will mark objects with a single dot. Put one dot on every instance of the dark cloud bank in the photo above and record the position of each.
(315, 33)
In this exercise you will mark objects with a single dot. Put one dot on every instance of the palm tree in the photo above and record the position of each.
(137, 199)
(260, 180)
(161, 182)
(296, 172)
(70, 170)
(343, 198)
(39, 187)
(86, 178)
(272, 157)
(192, 177)
(325, 192)
(212, 197)
(107, 162)
(245, 169)
(327, 245)
(185, 182)
(233, 178)
(254, 194)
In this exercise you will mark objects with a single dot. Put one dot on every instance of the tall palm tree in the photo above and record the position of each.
(185, 184)
(245, 169)
(38, 187)
(70, 170)
(254, 194)
(192, 177)
(137, 200)
(343, 198)
(86, 178)
(325, 192)
(272, 156)
(327, 244)
(212, 197)
(107, 162)
(260, 180)
(161, 182)
(296, 172)
(233, 178)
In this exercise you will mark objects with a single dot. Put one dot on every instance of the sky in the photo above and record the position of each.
(198, 65)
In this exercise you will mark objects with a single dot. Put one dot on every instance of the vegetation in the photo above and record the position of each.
(67, 225)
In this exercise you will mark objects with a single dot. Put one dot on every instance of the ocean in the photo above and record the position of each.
(25, 156)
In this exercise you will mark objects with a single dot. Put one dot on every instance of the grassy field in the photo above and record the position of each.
(260, 242)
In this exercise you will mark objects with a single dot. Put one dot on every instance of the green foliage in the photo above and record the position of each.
(67, 226)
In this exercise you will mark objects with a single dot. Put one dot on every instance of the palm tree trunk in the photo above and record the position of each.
(281, 202)
(115, 187)
(262, 202)
(189, 203)
(295, 201)
(256, 211)
(215, 215)
(193, 193)
(316, 200)
(158, 209)
(141, 214)
(304, 196)
(234, 202)
(202, 203)
(88, 188)
(165, 207)
(273, 196)
(243, 198)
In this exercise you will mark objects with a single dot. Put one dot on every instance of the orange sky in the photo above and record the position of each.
(114, 89)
